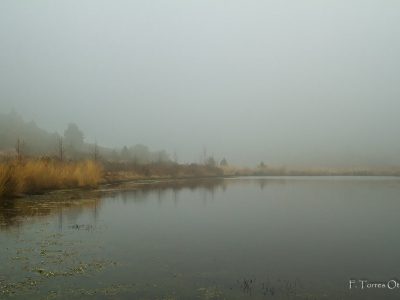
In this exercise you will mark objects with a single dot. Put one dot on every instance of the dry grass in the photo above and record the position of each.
(8, 181)
(126, 171)
(36, 176)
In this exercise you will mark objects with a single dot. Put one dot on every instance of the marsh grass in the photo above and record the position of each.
(8, 181)
(128, 171)
(36, 176)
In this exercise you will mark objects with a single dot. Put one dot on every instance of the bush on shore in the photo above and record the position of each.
(37, 176)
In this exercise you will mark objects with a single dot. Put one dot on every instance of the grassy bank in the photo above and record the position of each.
(37, 176)
(129, 171)
(34, 176)
(311, 171)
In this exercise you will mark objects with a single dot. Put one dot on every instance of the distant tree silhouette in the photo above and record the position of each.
(18, 149)
(161, 156)
(73, 137)
(142, 154)
(125, 154)
(95, 152)
(60, 148)
(223, 162)
(211, 162)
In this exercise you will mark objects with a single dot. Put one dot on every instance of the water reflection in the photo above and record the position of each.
(230, 238)
(18, 212)
(69, 206)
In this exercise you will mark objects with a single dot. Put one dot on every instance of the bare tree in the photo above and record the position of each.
(74, 138)
(18, 149)
(61, 148)
(95, 152)
(211, 162)
(223, 162)
(204, 155)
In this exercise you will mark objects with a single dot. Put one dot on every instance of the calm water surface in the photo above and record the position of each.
(243, 238)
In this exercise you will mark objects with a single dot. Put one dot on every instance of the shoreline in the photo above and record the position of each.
(21, 178)
(109, 187)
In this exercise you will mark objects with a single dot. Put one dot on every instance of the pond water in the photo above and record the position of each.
(238, 238)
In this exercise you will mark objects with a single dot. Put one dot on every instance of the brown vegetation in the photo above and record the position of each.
(33, 176)
(130, 171)
(263, 170)
(36, 176)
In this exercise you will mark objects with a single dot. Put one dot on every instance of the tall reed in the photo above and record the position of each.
(36, 176)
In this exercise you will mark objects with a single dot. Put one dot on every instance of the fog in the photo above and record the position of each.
(284, 82)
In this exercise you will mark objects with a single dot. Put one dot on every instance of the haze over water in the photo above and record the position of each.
(284, 82)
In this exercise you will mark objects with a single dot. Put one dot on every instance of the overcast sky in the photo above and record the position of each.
(286, 82)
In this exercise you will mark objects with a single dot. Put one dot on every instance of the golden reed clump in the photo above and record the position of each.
(36, 176)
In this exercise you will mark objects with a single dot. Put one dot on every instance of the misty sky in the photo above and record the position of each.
(286, 82)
